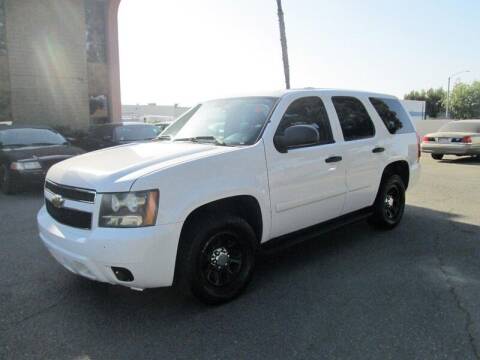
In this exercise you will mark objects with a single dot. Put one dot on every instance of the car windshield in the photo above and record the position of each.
(461, 126)
(231, 122)
(136, 132)
(30, 137)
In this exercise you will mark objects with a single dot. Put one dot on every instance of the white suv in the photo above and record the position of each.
(229, 177)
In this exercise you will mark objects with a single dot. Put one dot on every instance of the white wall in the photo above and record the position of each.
(415, 108)
(428, 126)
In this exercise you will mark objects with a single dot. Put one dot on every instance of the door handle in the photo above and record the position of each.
(378, 150)
(332, 159)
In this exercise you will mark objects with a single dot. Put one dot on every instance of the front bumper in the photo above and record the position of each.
(451, 149)
(149, 253)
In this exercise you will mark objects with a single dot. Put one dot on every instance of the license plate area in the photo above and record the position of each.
(444, 140)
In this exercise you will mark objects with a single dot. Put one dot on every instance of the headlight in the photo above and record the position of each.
(25, 165)
(133, 209)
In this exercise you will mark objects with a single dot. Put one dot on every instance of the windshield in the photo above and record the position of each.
(461, 126)
(237, 121)
(136, 132)
(30, 137)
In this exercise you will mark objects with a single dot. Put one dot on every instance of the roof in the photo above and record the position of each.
(24, 126)
(307, 90)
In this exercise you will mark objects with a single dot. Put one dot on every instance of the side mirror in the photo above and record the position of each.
(296, 136)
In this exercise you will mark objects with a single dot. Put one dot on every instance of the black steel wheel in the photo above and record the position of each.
(222, 257)
(437, 156)
(390, 203)
(216, 258)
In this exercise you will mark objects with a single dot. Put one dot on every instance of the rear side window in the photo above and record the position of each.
(354, 119)
(393, 115)
(308, 111)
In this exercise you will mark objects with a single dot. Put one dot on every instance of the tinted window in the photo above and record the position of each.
(393, 115)
(29, 137)
(136, 132)
(354, 119)
(308, 111)
(462, 126)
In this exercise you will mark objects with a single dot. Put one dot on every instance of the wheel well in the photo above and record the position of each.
(400, 168)
(244, 206)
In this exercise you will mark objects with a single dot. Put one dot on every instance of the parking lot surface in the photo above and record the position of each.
(354, 293)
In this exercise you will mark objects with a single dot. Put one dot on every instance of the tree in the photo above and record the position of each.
(465, 101)
(283, 41)
(434, 100)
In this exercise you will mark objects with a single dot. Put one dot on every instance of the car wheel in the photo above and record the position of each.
(6, 184)
(437, 156)
(216, 258)
(390, 203)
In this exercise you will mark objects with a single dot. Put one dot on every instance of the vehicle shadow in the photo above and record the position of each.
(464, 160)
(296, 289)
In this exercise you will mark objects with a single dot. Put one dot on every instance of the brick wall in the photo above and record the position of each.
(47, 59)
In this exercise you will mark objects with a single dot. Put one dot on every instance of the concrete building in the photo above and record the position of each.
(59, 62)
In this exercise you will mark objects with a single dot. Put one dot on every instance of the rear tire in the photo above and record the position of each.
(216, 258)
(437, 156)
(6, 184)
(390, 203)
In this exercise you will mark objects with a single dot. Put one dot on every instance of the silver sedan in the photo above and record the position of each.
(461, 138)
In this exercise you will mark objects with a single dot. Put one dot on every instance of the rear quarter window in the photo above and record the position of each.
(393, 115)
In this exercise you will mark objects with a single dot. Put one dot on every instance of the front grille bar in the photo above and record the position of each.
(72, 193)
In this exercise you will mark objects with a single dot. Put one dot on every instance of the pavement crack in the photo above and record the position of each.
(469, 324)
(39, 312)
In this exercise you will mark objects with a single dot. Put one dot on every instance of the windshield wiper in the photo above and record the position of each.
(43, 144)
(202, 139)
(163, 137)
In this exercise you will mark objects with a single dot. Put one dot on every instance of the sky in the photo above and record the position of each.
(186, 51)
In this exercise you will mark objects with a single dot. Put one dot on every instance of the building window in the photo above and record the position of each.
(95, 13)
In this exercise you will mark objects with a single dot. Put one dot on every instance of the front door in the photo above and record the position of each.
(307, 183)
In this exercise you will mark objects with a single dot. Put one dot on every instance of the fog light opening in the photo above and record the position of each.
(122, 274)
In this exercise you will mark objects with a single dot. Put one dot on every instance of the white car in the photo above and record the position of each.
(228, 178)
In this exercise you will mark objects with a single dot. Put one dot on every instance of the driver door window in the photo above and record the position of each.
(311, 112)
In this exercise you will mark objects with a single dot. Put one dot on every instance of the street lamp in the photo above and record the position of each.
(447, 114)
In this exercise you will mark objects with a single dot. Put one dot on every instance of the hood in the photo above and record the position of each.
(41, 153)
(115, 169)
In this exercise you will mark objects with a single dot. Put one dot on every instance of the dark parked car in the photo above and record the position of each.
(27, 152)
(103, 136)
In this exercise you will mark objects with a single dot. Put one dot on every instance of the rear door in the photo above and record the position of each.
(307, 183)
(363, 149)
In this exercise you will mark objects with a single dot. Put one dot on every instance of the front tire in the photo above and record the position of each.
(390, 203)
(216, 258)
(437, 156)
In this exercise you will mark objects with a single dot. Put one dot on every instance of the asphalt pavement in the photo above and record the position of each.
(355, 293)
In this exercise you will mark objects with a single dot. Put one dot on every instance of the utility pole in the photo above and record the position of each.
(447, 106)
(283, 41)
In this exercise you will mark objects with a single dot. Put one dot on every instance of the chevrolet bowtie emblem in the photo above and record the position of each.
(57, 201)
